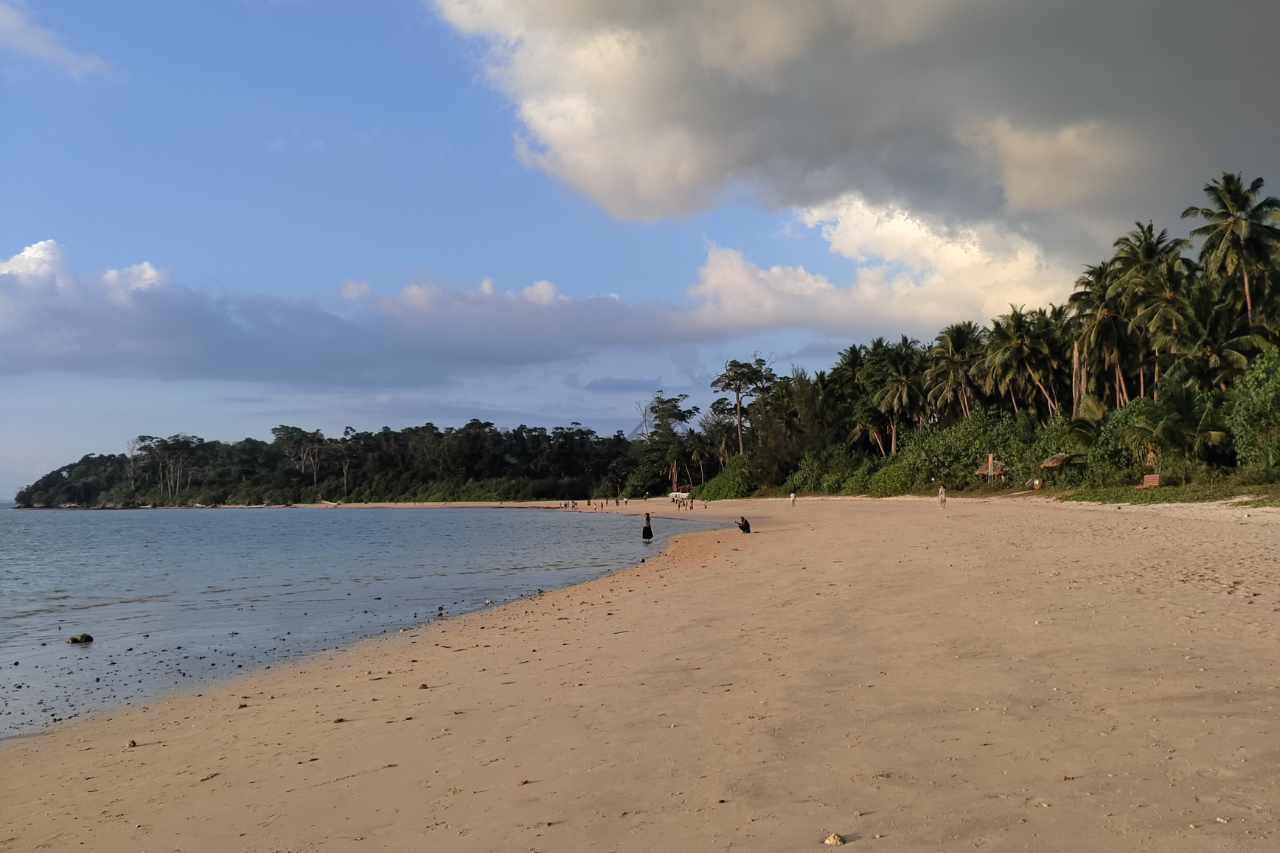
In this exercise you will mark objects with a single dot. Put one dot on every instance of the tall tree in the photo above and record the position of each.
(949, 377)
(1141, 256)
(1104, 331)
(1018, 362)
(900, 391)
(745, 380)
(1239, 231)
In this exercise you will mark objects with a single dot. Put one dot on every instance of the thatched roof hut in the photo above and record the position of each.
(993, 468)
(1058, 461)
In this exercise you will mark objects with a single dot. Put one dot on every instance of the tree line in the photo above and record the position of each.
(1163, 359)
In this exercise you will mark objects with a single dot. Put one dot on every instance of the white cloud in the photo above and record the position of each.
(910, 276)
(140, 276)
(541, 293)
(37, 263)
(19, 34)
(354, 291)
(135, 321)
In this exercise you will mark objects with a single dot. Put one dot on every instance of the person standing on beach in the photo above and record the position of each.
(647, 533)
(793, 498)
(942, 496)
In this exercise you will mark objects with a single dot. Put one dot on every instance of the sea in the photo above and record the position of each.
(176, 597)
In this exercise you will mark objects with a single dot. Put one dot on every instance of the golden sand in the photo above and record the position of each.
(999, 675)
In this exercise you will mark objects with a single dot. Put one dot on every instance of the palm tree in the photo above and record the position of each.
(1017, 359)
(1185, 421)
(1140, 257)
(1216, 346)
(1162, 309)
(900, 393)
(869, 423)
(1238, 231)
(949, 376)
(1104, 337)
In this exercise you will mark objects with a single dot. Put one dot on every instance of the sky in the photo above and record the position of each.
(223, 215)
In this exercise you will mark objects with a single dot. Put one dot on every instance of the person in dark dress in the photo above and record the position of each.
(647, 533)
(743, 524)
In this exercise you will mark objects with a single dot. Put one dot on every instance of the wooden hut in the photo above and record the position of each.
(1058, 462)
(993, 469)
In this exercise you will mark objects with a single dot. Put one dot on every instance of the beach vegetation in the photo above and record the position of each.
(1162, 361)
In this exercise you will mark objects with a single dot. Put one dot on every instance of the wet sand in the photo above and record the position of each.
(1002, 674)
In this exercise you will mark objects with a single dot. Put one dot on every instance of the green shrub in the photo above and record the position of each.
(1118, 454)
(897, 478)
(807, 478)
(733, 481)
(859, 481)
(833, 482)
(1254, 417)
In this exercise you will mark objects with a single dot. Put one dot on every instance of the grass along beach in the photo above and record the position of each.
(1008, 674)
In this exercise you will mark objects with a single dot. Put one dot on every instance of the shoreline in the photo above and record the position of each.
(753, 691)
(53, 690)
(1244, 500)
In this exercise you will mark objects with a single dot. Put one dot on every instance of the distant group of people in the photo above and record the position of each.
(594, 505)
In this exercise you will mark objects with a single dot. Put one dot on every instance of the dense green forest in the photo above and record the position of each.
(1163, 360)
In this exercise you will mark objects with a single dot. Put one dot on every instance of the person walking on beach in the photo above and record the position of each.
(647, 533)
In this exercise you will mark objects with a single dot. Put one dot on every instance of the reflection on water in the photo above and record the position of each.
(172, 596)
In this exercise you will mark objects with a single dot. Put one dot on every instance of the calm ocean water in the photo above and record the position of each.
(172, 597)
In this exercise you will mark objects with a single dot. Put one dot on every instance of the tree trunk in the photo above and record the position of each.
(1155, 391)
(893, 438)
(1122, 389)
(1248, 300)
(1076, 390)
(738, 411)
(1053, 406)
(1142, 380)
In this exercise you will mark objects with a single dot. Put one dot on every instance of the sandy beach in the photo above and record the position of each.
(1005, 674)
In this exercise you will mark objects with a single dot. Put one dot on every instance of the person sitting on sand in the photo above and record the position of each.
(743, 524)
(647, 533)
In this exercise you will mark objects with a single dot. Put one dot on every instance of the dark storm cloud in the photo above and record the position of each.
(1061, 120)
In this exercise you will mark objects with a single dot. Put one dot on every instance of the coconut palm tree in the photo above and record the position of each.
(1161, 304)
(949, 377)
(1186, 422)
(1239, 231)
(1018, 361)
(869, 424)
(900, 392)
(1216, 345)
(1140, 257)
(1104, 336)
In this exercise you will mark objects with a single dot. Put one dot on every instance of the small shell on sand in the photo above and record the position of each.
(833, 840)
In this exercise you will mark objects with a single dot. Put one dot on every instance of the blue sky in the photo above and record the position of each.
(289, 146)
(224, 215)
